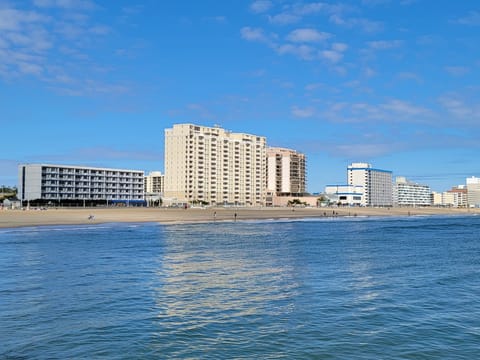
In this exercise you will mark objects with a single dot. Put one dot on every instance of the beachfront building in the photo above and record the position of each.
(346, 195)
(79, 185)
(214, 166)
(460, 195)
(407, 193)
(377, 184)
(285, 172)
(473, 191)
(154, 184)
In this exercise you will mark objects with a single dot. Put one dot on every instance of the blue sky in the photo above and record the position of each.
(393, 83)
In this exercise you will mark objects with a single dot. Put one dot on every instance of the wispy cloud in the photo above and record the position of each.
(254, 34)
(457, 70)
(52, 49)
(307, 35)
(261, 6)
(302, 112)
(385, 44)
(66, 4)
(472, 19)
(364, 24)
(460, 109)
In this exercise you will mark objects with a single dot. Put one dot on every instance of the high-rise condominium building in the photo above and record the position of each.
(79, 184)
(377, 184)
(473, 191)
(215, 166)
(285, 172)
(407, 193)
(154, 183)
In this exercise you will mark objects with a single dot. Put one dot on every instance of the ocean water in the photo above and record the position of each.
(344, 288)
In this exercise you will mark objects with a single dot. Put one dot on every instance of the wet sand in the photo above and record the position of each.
(68, 216)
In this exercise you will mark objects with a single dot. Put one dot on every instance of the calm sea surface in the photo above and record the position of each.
(376, 288)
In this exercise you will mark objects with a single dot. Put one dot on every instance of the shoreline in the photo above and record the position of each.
(81, 216)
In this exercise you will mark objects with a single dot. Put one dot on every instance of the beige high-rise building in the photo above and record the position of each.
(285, 172)
(212, 165)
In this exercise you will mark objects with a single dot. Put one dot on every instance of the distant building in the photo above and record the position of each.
(154, 183)
(212, 165)
(461, 197)
(351, 195)
(285, 172)
(473, 191)
(376, 183)
(77, 185)
(407, 193)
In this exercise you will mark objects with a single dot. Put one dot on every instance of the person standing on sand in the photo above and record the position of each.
(235, 216)
(214, 215)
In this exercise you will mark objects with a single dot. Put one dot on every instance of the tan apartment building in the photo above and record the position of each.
(215, 166)
(154, 183)
(285, 172)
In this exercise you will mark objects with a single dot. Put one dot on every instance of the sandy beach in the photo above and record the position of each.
(69, 216)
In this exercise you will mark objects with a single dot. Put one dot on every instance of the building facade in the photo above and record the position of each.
(473, 191)
(79, 184)
(286, 172)
(377, 184)
(214, 166)
(407, 193)
(154, 183)
(349, 195)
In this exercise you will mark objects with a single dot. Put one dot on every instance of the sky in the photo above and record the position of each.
(392, 83)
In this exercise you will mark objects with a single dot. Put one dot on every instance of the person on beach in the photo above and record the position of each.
(235, 216)
(91, 217)
(214, 215)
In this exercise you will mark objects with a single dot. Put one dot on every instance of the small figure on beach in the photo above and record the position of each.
(214, 215)
(91, 217)
(235, 216)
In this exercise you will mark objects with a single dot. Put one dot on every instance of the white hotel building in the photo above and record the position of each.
(407, 193)
(215, 166)
(473, 191)
(377, 184)
(79, 184)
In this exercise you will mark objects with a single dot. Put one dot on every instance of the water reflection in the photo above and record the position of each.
(227, 277)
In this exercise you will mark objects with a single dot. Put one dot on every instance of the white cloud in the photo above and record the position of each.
(331, 55)
(284, 19)
(472, 19)
(366, 25)
(339, 47)
(31, 45)
(404, 108)
(253, 34)
(66, 4)
(457, 70)
(460, 109)
(307, 35)
(384, 44)
(304, 52)
(16, 20)
(261, 6)
(302, 112)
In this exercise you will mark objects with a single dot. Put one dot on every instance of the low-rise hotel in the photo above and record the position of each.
(407, 193)
(76, 185)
